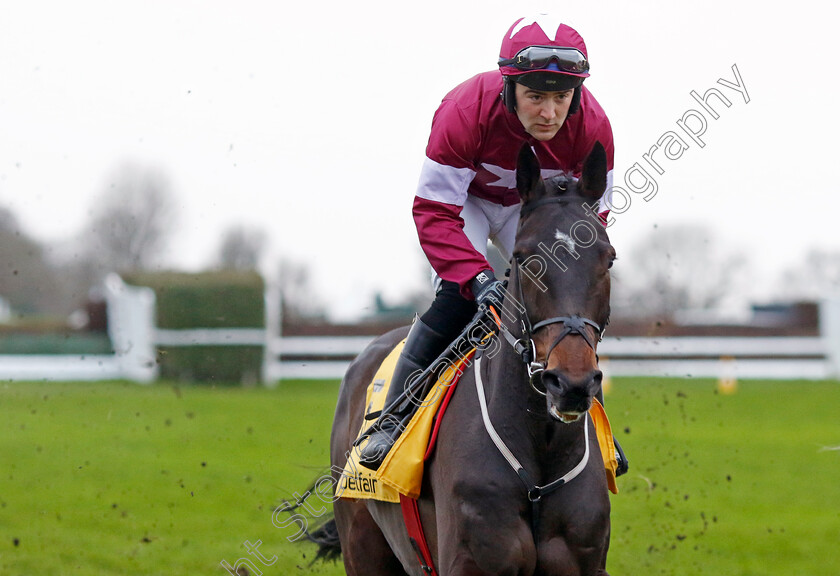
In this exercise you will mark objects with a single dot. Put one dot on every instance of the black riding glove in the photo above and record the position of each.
(487, 290)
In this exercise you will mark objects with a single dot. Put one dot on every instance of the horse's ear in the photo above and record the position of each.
(528, 180)
(593, 178)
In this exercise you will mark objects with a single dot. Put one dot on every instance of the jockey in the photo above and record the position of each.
(467, 191)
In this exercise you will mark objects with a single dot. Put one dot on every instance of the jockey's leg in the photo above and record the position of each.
(428, 338)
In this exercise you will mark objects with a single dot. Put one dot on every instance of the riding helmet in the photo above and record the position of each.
(545, 72)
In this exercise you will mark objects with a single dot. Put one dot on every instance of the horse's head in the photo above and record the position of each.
(561, 278)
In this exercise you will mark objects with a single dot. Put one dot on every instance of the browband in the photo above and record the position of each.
(529, 207)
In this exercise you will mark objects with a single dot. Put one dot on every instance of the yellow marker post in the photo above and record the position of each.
(727, 379)
(606, 381)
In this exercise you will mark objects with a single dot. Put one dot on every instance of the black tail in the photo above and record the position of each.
(326, 537)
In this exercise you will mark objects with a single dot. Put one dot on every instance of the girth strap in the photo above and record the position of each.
(416, 535)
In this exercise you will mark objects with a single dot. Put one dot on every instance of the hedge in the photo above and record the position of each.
(65, 342)
(224, 299)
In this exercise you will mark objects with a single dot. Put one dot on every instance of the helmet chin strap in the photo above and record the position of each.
(509, 95)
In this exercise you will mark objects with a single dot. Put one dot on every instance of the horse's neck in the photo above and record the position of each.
(506, 383)
(514, 405)
(511, 401)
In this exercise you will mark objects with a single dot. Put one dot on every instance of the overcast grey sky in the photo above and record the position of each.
(309, 120)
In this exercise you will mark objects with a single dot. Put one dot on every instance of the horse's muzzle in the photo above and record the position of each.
(569, 398)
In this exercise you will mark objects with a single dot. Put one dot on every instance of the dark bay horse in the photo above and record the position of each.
(480, 516)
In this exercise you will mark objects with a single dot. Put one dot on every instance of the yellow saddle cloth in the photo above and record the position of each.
(402, 470)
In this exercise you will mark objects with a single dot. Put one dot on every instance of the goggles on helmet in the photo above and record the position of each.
(569, 60)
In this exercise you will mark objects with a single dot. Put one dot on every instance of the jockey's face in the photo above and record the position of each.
(542, 113)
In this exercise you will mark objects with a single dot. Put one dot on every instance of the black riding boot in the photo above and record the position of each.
(623, 464)
(422, 346)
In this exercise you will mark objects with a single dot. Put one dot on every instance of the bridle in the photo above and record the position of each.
(524, 345)
(574, 324)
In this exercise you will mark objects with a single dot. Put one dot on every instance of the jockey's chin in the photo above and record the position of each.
(544, 132)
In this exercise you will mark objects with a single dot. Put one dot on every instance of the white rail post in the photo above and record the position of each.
(830, 331)
(131, 327)
(273, 308)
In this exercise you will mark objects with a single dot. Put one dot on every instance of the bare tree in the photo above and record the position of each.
(131, 220)
(27, 280)
(675, 268)
(815, 276)
(241, 248)
(296, 288)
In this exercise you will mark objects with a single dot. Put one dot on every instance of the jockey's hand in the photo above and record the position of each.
(487, 290)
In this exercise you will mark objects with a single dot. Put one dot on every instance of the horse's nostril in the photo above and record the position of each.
(551, 379)
(596, 383)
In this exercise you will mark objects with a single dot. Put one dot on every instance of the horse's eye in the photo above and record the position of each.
(610, 265)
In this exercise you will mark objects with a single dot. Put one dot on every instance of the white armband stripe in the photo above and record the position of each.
(442, 183)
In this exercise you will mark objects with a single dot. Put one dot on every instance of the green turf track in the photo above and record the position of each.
(122, 479)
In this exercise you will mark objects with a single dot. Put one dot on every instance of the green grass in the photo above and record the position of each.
(121, 479)
(115, 478)
(738, 484)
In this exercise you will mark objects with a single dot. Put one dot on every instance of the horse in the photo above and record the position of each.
(482, 515)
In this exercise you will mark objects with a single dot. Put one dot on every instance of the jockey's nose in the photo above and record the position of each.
(548, 111)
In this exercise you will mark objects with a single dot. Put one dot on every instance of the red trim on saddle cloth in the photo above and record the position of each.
(411, 514)
(411, 517)
(439, 416)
